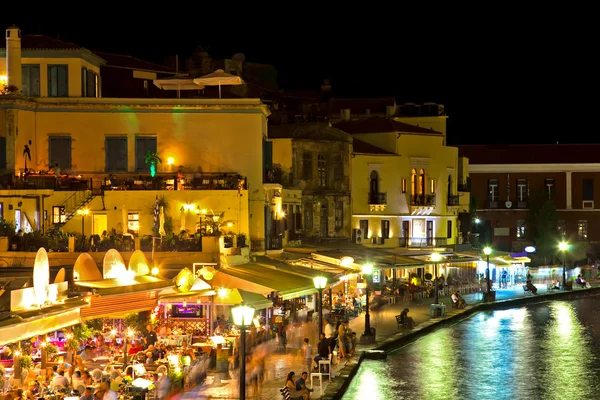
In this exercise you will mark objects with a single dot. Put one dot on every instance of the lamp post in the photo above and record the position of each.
(367, 270)
(564, 247)
(320, 284)
(83, 212)
(242, 317)
(436, 258)
(489, 295)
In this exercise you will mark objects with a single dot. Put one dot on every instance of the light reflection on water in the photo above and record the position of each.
(545, 351)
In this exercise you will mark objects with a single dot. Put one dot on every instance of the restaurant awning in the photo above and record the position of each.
(238, 296)
(25, 325)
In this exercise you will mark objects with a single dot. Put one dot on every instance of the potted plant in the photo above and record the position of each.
(51, 351)
(26, 363)
(241, 240)
(152, 159)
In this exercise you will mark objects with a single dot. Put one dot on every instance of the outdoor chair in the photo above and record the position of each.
(285, 394)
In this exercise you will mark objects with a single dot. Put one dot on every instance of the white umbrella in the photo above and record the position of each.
(177, 84)
(218, 78)
(125, 219)
(161, 225)
(182, 220)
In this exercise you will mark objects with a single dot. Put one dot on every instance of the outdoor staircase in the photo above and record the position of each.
(75, 202)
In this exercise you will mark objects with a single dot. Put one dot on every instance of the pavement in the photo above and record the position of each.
(225, 385)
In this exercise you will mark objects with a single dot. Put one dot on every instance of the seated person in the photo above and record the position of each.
(301, 382)
(406, 320)
(580, 281)
(290, 382)
(457, 300)
(556, 284)
(530, 287)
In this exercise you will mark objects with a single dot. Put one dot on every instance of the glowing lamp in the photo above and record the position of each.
(152, 170)
(113, 332)
(243, 315)
(320, 282)
(222, 292)
(184, 304)
(367, 269)
(435, 257)
(530, 249)
(154, 271)
(487, 251)
(41, 276)
(186, 361)
(170, 161)
(346, 261)
(563, 246)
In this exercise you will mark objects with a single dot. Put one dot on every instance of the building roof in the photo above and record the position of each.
(309, 130)
(531, 154)
(361, 147)
(129, 62)
(42, 42)
(361, 105)
(380, 125)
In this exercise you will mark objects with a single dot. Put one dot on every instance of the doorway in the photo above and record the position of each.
(429, 233)
(100, 224)
(324, 228)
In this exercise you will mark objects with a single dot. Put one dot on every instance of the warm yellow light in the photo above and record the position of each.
(229, 224)
(170, 161)
(130, 332)
(367, 269)
(184, 304)
(154, 271)
(17, 353)
(435, 257)
(113, 332)
(320, 282)
(44, 344)
(83, 211)
(346, 261)
(563, 246)
(204, 211)
(68, 336)
(222, 292)
(3, 79)
(487, 250)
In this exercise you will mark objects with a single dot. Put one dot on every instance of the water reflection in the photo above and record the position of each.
(544, 351)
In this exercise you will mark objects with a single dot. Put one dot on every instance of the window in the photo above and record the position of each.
(521, 229)
(116, 153)
(414, 182)
(31, 79)
(403, 185)
(364, 227)
(18, 225)
(60, 152)
(449, 230)
(143, 144)
(58, 80)
(493, 190)
(549, 187)
(307, 165)
(89, 83)
(421, 181)
(432, 186)
(298, 217)
(561, 227)
(58, 215)
(308, 215)
(338, 167)
(322, 170)
(2, 153)
(522, 192)
(582, 230)
(339, 215)
(385, 228)
(588, 189)
(133, 222)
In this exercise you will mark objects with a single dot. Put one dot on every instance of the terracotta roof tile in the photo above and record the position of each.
(531, 153)
(361, 147)
(122, 61)
(379, 125)
(42, 42)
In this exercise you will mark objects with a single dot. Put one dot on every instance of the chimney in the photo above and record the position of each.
(13, 57)
(390, 111)
(345, 114)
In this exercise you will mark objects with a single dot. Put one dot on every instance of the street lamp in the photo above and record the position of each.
(83, 212)
(564, 247)
(242, 317)
(320, 284)
(367, 270)
(436, 258)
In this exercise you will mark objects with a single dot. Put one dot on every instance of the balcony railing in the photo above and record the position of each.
(464, 187)
(493, 203)
(453, 200)
(522, 204)
(423, 242)
(276, 242)
(428, 200)
(378, 198)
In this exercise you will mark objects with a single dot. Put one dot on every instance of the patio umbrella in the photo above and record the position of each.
(161, 226)
(124, 215)
(182, 220)
(156, 212)
(237, 296)
(218, 78)
(177, 84)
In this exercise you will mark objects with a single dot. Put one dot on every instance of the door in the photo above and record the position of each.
(364, 227)
(429, 233)
(100, 224)
(405, 233)
(324, 229)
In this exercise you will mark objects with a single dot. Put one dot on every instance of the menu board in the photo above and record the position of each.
(187, 312)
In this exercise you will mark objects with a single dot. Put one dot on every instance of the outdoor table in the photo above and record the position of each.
(440, 307)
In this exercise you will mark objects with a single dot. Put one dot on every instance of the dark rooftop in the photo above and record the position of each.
(361, 147)
(129, 62)
(531, 153)
(380, 125)
(42, 42)
(309, 130)
(360, 105)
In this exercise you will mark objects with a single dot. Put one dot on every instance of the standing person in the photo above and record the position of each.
(307, 351)
(151, 337)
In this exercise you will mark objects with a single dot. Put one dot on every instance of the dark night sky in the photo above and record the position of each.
(508, 80)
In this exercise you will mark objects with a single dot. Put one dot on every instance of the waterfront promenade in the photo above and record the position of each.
(225, 385)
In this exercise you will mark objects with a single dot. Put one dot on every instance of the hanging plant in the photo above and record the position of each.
(51, 350)
(152, 159)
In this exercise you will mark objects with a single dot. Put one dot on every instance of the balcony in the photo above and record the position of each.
(423, 201)
(464, 187)
(423, 242)
(493, 203)
(377, 198)
(523, 203)
(453, 200)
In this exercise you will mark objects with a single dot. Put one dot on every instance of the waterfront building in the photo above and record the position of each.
(53, 118)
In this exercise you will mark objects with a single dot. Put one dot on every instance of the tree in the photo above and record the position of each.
(541, 224)
(153, 159)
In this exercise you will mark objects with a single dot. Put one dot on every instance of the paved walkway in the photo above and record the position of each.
(225, 385)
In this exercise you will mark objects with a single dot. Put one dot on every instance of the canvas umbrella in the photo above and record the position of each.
(182, 220)
(177, 84)
(125, 219)
(218, 78)
(161, 226)
(156, 212)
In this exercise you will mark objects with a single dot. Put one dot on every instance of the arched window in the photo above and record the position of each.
(421, 182)
(413, 182)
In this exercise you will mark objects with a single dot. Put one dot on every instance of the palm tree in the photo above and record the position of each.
(27, 154)
(152, 158)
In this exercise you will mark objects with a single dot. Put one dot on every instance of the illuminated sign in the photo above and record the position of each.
(530, 249)
(376, 276)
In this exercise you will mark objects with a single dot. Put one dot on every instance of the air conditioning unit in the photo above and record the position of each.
(588, 204)
(357, 236)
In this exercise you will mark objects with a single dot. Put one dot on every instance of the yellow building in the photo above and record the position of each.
(216, 145)
(404, 184)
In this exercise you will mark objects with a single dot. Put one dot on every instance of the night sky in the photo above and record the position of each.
(512, 80)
